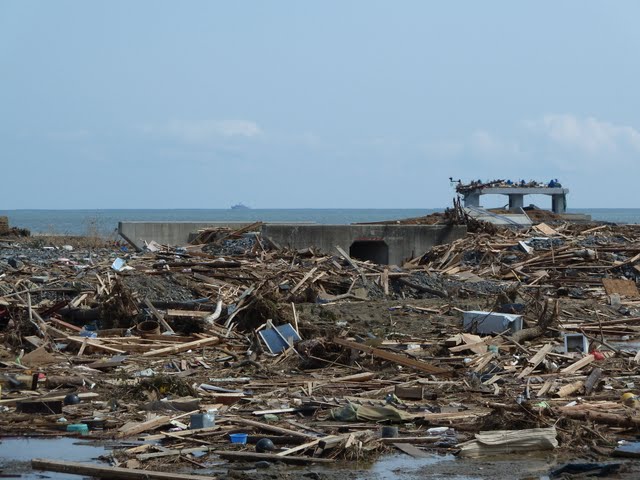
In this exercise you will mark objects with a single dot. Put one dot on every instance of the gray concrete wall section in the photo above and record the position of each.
(403, 241)
(393, 242)
(166, 233)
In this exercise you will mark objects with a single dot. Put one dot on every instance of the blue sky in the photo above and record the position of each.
(286, 104)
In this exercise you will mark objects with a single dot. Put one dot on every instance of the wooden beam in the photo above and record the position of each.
(536, 360)
(299, 448)
(53, 398)
(172, 453)
(184, 433)
(412, 440)
(270, 428)
(116, 473)
(158, 316)
(129, 431)
(182, 347)
(583, 362)
(567, 390)
(270, 457)
(304, 279)
(393, 357)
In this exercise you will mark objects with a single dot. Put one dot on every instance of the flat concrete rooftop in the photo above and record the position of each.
(521, 190)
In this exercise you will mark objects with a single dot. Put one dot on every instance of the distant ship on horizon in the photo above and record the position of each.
(240, 206)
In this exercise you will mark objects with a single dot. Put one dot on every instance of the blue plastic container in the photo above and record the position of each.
(81, 428)
(238, 438)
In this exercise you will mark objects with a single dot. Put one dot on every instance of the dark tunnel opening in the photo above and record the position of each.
(375, 250)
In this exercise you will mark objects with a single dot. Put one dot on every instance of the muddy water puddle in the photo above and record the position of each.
(398, 465)
(16, 455)
(437, 466)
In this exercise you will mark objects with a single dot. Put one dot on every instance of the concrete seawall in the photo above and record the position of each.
(166, 233)
(382, 244)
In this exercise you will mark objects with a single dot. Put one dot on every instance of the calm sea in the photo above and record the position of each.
(81, 222)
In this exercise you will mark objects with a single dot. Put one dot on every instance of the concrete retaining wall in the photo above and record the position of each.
(382, 243)
(166, 233)
(403, 241)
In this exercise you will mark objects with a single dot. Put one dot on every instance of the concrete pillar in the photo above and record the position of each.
(516, 201)
(472, 199)
(559, 203)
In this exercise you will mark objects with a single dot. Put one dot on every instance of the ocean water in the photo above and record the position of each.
(82, 222)
(105, 222)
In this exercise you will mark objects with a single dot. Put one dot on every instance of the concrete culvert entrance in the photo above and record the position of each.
(375, 250)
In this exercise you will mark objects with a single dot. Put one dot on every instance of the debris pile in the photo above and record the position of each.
(6, 231)
(232, 350)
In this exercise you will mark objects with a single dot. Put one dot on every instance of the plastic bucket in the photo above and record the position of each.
(148, 327)
(389, 432)
(238, 438)
(81, 428)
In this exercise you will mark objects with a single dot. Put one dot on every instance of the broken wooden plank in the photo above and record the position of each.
(620, 286)
(412, 440)
(187, 313)
(270, 428)
(535, 360)
(384, 281)
(184, 433)
(12, 401)
(299, 448)
(545, 229)
(546, 387)
(182, 347)
(350, 261)
(128, 430)
(304, 279)
(356, 377)
(583, 362)
(571, 388)
(158, 316)
(171, 453)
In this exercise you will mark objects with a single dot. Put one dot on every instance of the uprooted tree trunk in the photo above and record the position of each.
(548, 317)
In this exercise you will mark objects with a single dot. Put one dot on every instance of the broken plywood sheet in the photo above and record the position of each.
(38, 358)
(620, 286)
(545, 229)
